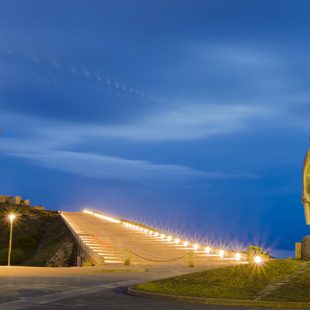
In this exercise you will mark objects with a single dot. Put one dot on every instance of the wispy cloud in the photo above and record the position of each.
(48, 143)
(109, 167)
(243, 56)
(182, 121)
(186, 122)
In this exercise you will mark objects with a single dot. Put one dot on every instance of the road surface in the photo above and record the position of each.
(85, 288)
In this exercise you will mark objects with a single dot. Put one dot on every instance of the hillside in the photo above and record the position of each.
(40, 238)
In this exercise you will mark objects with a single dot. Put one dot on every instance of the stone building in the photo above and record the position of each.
(14, 200)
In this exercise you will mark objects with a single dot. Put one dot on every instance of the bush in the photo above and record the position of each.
(17, 256)
(3, 256)
(27, 243)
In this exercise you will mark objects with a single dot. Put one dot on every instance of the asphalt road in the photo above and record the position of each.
(84, 288)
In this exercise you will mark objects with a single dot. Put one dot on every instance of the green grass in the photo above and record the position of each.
(236, 282)
(297, 289)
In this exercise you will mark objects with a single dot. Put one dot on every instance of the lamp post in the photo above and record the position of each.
(11, 218)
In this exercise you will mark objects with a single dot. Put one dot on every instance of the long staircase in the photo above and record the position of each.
(107, 240)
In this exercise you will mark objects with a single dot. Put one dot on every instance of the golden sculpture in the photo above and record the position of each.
(306, 187)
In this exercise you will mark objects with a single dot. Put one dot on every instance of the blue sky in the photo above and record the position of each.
(192, 115)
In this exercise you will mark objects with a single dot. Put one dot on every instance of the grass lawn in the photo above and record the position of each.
(236, 282)
(297, 289)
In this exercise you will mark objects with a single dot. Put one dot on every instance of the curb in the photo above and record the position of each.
(223, 302)
(102, 270)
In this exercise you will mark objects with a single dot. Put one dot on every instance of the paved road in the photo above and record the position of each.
(35, 287)
(84, 288)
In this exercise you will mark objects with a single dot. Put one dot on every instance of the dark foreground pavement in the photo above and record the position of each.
(117, 299)
(92, 288)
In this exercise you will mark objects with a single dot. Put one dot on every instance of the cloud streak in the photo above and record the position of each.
(48, 145)
(185, 123)
(108, 167)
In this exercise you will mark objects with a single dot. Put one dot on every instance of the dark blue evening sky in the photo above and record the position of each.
(189, 115)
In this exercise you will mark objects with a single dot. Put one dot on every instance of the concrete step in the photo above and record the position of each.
(111, 240)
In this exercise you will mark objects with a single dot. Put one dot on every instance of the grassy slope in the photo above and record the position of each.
(55, 237)
(296, 290)
(37, 235)
(237, 282)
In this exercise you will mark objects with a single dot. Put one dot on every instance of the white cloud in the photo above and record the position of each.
(109, 167)
(46, 143)
(236, 54)
(185, 123)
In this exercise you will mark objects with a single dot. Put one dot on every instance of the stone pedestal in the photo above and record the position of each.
(305, 248)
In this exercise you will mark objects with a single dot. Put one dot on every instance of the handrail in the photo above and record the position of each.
(98, 259)
(157, 260)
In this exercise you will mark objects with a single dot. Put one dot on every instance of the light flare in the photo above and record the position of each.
(221, 253)
(258, 259)
(108, 218)
(12, 217)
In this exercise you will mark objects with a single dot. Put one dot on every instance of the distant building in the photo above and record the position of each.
(41, 208)
(17, 200)
(4, 199)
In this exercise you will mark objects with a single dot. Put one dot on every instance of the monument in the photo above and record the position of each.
(305, 244)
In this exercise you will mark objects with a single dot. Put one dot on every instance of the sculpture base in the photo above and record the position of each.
(305, 248)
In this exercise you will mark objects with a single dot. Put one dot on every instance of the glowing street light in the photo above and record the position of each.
(237, 256)
(207, 249)
(169, 238)
(257, 259)
(221, 253)
(11, 218)
(185, 243)
(195, 246)
(177, 240)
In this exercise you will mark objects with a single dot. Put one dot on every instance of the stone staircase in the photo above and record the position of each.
(109, 241)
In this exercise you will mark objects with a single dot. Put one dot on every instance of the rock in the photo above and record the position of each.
(62, 255)
(305, 248)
